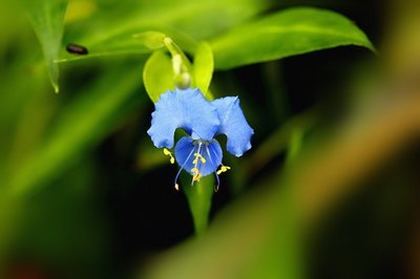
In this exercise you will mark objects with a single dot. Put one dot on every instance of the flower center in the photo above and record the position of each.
(198, 158)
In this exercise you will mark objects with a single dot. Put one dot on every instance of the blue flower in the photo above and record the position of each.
(199, 153)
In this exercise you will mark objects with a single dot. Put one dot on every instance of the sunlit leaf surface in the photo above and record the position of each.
(286, 33)
(203, 67)
(157, 75)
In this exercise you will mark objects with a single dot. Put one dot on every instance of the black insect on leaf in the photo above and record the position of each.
(76, 49)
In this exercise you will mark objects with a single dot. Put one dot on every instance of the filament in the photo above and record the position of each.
(181, 168)
(216, 188)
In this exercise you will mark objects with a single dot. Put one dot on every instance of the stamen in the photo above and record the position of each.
(216, 188)
(223, 169)
(198, 156)
(181, 168)
(196, 174)
(169, 153)
(195, 170)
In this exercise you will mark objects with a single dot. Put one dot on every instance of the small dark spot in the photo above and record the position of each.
(76, 49)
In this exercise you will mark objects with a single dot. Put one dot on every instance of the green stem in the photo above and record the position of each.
(199, 197)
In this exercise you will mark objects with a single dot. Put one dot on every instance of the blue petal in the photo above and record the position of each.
(185, 149)
(233, 125)
(186, 109)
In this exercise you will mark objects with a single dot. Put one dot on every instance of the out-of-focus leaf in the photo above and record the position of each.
(53, 217)
(200, 19)
(199, 197)
(79, 10)
(180, 20)
(277, 143)
(286, 33)
(79, 126)
(151, 39)
(47, 17)
(148, 157)
(158, 76)
(203, 67)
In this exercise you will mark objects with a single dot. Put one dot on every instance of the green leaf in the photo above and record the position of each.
(151, 39)
(158, 76)
(47, 18)
(197, 20)
(286, 33)
(127, 42)
(203, 67)
(199, 198)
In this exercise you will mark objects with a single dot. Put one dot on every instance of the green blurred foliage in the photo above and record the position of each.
(47, 18)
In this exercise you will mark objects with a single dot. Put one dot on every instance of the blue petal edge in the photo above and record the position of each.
(187, 109)
(233, 125)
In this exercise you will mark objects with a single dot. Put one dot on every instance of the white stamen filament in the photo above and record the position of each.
(181, 168)
(216, 188)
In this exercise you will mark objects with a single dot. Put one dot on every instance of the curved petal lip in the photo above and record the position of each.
(211, 152)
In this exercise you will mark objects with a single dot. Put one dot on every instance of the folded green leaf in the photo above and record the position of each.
(203, 67)
(158, 76)
(151, 39)
(47, 17)
(291, 32)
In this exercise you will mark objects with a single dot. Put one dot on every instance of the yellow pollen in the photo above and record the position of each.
(223, 169)
(197, 177)
(195, 171)
(198, 156)
(196, 174)
(168, 153)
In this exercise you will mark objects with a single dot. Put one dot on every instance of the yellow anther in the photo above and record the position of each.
(196, 174)
(169, 153)
(198, 156)
(223, 169)
(196, 177)
(177, 186)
